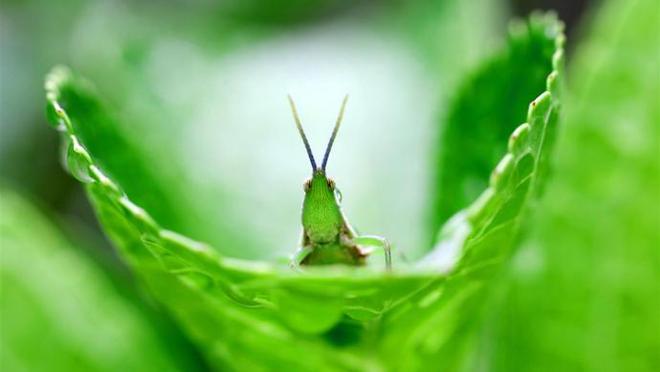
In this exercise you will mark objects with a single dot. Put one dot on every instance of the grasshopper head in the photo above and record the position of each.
(321, 217)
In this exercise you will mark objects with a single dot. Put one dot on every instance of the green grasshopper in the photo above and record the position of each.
(327, 237)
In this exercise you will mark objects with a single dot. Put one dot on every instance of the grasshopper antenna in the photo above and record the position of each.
(334, 133)
(302, 133)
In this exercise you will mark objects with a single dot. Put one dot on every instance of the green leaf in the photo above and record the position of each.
(122, 158)
(477, 241)
(483, 114)
(247, 315)
(582, 295)
(119, 156)
(60, 312)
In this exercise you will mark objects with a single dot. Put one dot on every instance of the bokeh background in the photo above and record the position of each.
(204, 86)
(215, 78)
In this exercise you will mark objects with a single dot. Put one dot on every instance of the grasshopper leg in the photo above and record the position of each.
(377, 241)
(299, 256)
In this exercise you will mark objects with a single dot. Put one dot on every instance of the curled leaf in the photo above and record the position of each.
(248, 314)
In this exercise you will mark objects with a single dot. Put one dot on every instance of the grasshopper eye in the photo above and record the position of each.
(307, 185)
(331, 184)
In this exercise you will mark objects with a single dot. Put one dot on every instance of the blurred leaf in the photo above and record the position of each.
(60, 312)
(447, 36)
(247, 315)
(484, 112)
(583, 293)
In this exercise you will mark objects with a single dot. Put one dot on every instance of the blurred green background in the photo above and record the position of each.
(201, 87)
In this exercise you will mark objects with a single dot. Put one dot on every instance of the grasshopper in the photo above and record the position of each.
(327, 237)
